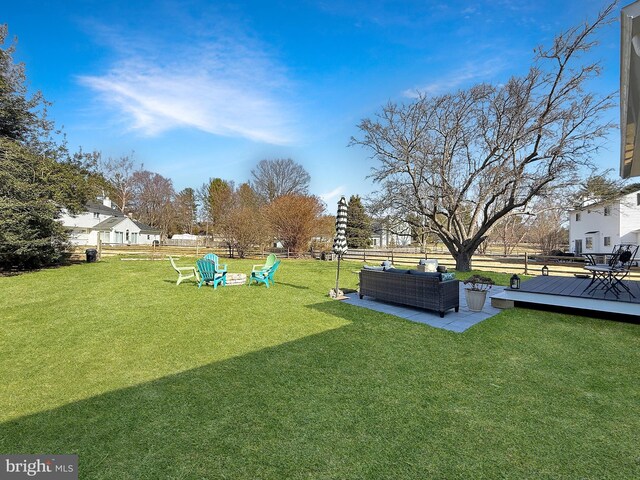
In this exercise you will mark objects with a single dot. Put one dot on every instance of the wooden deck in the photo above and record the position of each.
(567, 292)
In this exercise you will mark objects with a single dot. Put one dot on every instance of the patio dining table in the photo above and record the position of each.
(595, 258)
(601, 274)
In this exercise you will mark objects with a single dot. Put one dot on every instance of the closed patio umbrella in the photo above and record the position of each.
(340, 240)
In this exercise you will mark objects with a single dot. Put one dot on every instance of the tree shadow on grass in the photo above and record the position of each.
(299, 287)
(370, 399)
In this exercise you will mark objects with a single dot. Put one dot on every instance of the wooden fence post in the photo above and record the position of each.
(99, 247)
(526, 263)
(364, 255)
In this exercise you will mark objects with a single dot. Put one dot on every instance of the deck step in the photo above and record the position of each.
(499, 301)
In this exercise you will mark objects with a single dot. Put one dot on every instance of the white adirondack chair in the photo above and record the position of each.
(184, 272)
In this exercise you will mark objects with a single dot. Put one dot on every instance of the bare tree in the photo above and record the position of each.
(323, 233)
(275, 178)
(152, 200)
(118, 172)
(511, 230)
(467, 159)
(244, 225)
(547, 228)
(294, 219)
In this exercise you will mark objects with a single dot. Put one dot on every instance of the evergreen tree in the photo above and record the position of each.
(359, 229)
(37, 175)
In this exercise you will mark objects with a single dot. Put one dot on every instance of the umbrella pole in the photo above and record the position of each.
(338, 275)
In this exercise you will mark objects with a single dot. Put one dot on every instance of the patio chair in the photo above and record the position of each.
(265, 276)
(271, 259)
(212, 257)
(184, 272)
(209, 272)
(610, 276)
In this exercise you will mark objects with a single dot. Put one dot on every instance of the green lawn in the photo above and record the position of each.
(144, 379)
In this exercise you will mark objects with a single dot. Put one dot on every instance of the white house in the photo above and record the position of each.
(110, 225)
(598, 227)
(185, 237)
(383, 237)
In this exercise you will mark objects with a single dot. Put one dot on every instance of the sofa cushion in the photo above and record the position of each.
(427, 265)
(396, 270)
(425, 274)
(369, 267)
(448, 276)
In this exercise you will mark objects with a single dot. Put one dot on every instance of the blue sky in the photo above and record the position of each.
(203, 89)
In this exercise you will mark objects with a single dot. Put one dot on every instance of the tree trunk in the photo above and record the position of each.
(463, 260)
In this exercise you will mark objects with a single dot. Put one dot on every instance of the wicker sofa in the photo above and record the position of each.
(410, 287)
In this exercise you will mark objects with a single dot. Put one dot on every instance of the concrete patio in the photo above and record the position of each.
(453, 321)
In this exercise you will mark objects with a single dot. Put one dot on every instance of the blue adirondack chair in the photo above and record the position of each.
(270, 261)
(265, 276)
(212, 257)
(210, 273)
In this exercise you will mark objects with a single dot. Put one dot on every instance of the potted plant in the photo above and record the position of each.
(476, 292)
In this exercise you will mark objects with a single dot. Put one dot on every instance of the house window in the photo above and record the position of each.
(607, 211)
(578, 217)
(119, 237)
(607, 241)
(134, 237)
(148, 237)
(105, 237)
(588, 242)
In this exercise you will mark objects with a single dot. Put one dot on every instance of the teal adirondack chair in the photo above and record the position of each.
(214, 258)
(209, 272)
(271, 259)
(265, 276)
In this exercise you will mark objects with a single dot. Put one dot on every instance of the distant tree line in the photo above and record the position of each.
(40, 176)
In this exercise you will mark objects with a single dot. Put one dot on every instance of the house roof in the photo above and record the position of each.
(98, 207)
(109, 223)
(144, 228)
(632, 188)
(116, 216)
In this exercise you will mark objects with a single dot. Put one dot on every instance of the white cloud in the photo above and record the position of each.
(219, 86)
(332, 197)
(469, 72)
